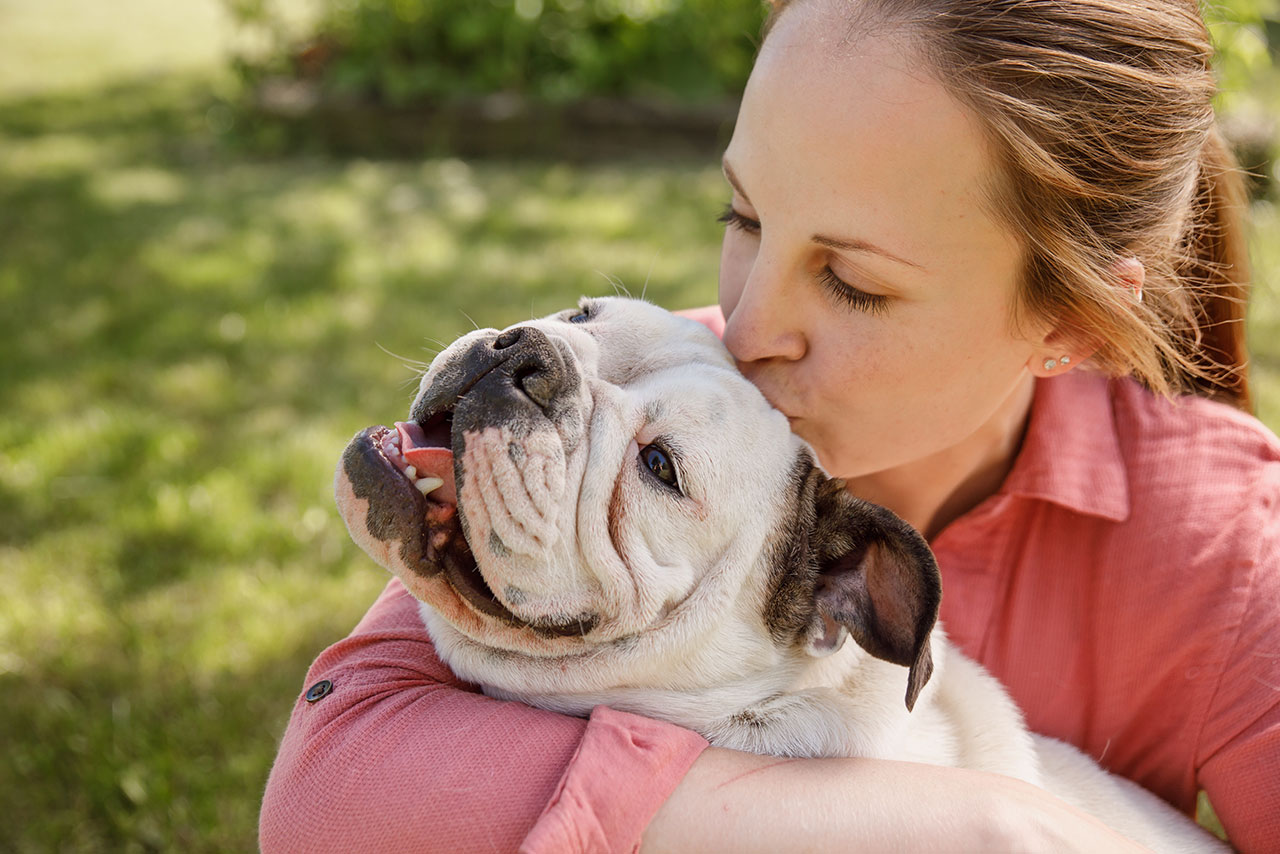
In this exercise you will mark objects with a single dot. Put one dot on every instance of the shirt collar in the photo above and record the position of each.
(1071, 454)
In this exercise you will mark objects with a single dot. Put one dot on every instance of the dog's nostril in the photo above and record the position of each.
(537, 383)
(508, 338)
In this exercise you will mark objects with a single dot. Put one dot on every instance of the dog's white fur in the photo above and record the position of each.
(678, 585)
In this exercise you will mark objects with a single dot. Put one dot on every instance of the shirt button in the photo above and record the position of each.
(319, 691)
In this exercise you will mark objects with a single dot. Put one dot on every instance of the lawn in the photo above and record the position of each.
(191, 332)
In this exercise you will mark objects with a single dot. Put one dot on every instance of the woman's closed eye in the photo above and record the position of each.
(733, 219)
(835, 286)
(850, 296)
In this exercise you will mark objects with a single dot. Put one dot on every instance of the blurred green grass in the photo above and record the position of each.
(190, 334)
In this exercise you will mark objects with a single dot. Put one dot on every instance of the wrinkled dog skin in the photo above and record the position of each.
(597, 508)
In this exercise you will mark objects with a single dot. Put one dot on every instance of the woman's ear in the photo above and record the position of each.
(1060, 352)
(1131, 273)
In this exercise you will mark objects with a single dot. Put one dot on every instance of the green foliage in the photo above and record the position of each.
(1246, 36)
(401, 50)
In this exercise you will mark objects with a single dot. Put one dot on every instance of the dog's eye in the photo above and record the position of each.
(582, 315)
(658, 462)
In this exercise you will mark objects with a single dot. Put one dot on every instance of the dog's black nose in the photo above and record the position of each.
(503, 377)
(536, 366)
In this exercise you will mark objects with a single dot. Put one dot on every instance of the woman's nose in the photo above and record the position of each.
(766, 322)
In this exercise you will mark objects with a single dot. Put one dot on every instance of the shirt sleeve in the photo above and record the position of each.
(394, 753)
(1241, 772)
(709, 316)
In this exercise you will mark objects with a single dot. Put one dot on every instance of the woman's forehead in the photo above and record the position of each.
(862, 133)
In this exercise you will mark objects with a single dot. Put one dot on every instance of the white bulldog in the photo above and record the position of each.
(597, 508)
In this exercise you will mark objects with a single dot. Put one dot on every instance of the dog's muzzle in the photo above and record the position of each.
(516, 380)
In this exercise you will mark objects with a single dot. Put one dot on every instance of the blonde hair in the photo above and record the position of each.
(1101, 117)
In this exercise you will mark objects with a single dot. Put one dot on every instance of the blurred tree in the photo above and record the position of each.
(1246, 34)
(398, 51)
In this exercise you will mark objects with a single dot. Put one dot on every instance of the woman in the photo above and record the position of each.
(942, 210)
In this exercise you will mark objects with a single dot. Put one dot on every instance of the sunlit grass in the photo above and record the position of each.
(61, 44)
(79, 45)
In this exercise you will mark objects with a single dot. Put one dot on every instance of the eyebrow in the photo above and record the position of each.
(832, 242)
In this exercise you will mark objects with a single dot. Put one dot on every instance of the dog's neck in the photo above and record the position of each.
(785, 702)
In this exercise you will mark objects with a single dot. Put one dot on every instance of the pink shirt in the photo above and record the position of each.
(1124, 583)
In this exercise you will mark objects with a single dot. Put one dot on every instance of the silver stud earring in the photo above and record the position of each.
(1050, 364)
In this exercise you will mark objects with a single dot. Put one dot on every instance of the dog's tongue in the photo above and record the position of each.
(431, 460)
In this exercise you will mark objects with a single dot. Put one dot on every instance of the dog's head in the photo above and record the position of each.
(599, 499)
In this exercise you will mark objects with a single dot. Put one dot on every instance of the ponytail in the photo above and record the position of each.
(1216, 272)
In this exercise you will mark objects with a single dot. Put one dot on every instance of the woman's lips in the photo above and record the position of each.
(786, 410)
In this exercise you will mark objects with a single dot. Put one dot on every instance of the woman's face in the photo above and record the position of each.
(866, 290)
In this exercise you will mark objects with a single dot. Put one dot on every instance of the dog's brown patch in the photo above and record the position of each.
(789, 604)
(395, 511)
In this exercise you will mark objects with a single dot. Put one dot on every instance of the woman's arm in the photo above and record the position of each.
(398, 755)
(738, 802)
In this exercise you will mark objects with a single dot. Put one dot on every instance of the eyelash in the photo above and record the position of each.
(851, 296)
(837, 287)
(733, 219)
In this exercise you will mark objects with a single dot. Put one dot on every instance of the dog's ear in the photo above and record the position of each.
(877, 581)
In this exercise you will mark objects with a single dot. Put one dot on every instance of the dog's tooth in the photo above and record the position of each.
(411, 472)
(426, 485)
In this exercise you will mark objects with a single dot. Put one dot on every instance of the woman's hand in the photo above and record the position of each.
(740, 802)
